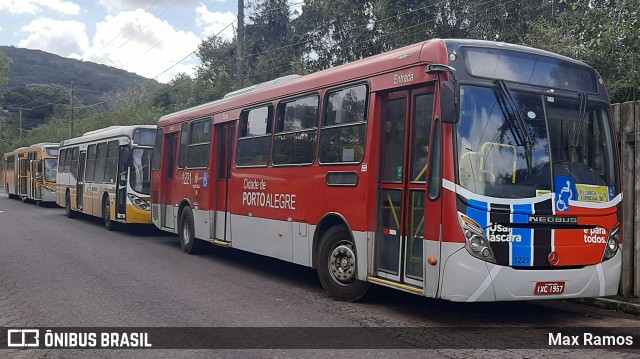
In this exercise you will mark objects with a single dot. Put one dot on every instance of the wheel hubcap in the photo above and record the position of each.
(185, 234)
(342, 264)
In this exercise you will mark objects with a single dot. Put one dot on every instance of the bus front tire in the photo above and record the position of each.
(106, 215)
(337, 266)
(67, 206)
(188, 241)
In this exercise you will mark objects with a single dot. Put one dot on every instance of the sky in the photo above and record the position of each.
(146, 37)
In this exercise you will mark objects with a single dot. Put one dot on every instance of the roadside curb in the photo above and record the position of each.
(614, 303)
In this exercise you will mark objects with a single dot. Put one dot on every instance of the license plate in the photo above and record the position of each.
(545, 288)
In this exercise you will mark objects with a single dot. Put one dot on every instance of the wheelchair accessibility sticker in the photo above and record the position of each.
(565, 190)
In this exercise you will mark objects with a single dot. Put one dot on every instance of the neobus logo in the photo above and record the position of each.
(553, 219)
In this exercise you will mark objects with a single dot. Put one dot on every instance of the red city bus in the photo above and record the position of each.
(455, 169)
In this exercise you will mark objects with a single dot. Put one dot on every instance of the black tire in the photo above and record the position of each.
(188, 241)
(67, 206)
(337, 265)
(39, 203)
(106, 214)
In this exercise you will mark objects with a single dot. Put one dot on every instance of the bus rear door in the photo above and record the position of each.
(166, 199)
(225, 135)
(23, 177)
(80, 180)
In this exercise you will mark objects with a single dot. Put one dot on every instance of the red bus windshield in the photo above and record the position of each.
(493, 158)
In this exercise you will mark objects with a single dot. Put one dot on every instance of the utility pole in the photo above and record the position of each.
(3, 112)
(71, 120)
(240, 46)
(20, 123)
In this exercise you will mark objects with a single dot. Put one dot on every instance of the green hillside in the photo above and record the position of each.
(35, 67)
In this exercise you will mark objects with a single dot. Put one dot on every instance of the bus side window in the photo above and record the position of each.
(91, 163)
(296, 131)
(111, 169)
(74, 162)
(61, 160)
(101, 162)
(157, 150)
(199, 148)
(254, 138)
(344, 126)
(182, 152)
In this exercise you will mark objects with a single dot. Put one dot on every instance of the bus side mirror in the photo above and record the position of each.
(449, 102)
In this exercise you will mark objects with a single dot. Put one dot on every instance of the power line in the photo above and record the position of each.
(138, 32)
(299, 43)
(125, 28)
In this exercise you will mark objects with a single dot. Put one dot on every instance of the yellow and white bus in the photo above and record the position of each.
(105, 173)
(30, 172)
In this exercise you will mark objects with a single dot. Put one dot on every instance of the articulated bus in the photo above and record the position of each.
(30, 172)
(456, 169)
(106, 173)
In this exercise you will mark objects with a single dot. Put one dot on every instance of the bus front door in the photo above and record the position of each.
(225, 134)
(167, 209)
(36, 180)
(405, 138)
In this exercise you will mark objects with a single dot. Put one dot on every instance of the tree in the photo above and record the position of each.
(337, 31)
(272, 48)
(604, 33)
(5, 65)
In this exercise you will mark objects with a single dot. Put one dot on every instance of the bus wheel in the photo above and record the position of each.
(106, 214)
(67, 206)
(337, 265)
(188, 241)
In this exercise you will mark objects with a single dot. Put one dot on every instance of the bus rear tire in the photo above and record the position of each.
(188, 241)
(67, 206)
(106, 214)
(337, 266)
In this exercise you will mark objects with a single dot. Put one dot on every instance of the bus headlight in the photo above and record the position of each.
(613, 243)
(477, 243)
(138, 202)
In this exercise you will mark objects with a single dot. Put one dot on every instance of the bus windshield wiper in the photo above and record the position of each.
(581, 115)
(517, 123)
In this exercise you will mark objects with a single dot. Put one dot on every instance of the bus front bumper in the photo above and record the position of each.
(467, 279)
(135, 215)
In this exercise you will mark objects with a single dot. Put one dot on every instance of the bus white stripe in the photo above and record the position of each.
(601, 278)
(485, 284)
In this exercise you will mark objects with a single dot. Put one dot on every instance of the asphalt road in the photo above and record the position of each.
(60, 272)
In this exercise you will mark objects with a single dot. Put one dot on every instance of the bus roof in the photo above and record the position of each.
(46, 144)
(430, 51)
(108, 132)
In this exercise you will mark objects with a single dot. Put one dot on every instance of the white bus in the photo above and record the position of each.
(105, 173)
